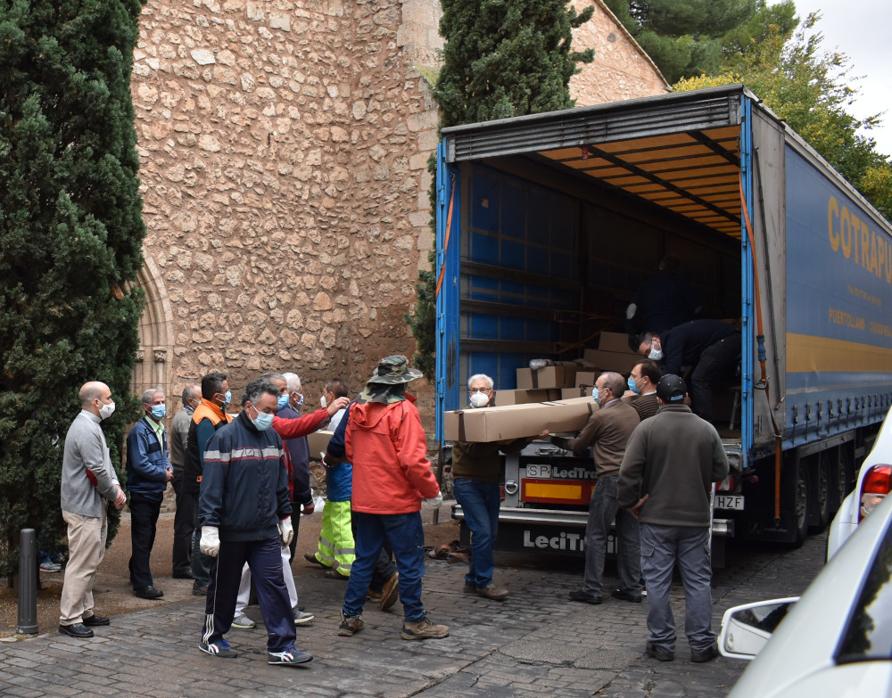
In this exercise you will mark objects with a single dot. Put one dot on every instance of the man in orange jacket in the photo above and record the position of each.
(382, 436)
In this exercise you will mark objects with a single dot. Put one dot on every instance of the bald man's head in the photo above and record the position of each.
(94, 395)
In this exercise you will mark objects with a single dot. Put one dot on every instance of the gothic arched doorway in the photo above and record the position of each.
(152, 367)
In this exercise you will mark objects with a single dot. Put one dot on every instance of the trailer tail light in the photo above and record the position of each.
(729, 484)
(556, 491)
(877, 484)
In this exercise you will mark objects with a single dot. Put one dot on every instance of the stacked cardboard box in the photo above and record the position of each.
(517, 421)
(522, 397)
(613, 353)
(561, 374)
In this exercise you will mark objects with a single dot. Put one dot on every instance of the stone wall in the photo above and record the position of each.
(284, 148)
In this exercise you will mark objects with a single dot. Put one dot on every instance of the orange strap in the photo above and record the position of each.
(446, 240)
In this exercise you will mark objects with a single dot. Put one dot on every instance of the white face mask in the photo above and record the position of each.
(479, 399)
(106, 411)
(323, 402)
(656, 350)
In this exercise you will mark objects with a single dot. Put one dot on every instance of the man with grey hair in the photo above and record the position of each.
(477, 468)
(183, 522)
(290, 407)
(607, 432)
(148, 472)
(88, 484)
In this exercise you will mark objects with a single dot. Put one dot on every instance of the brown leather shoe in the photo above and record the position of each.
(390, 592)
(493, 592)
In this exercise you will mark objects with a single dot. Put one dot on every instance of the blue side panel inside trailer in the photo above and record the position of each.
(839, 296)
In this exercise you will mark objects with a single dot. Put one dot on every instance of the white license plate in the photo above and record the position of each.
(729, 501)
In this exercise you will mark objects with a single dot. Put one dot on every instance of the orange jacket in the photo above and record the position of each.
(388, 449)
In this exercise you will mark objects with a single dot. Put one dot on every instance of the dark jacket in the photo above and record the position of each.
(299, 456)
(674, 457)
(206, 420)
(683, 345)
(147, 461)
(645, 405)
(244, 491)
(482, 461)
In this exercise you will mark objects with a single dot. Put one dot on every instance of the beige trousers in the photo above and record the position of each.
(86, 548)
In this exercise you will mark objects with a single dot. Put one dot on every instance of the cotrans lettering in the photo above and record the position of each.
(573, 542)
(854, 238)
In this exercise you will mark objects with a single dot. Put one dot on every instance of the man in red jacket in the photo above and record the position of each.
(381, 434)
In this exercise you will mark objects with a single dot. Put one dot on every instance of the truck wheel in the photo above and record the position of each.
(819, 494)
(796, 489)
(839, 477)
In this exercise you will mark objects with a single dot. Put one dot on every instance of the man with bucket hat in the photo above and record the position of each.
(382, 436)
(671, 461)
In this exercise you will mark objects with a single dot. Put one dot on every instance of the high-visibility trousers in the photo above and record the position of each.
(336, 548)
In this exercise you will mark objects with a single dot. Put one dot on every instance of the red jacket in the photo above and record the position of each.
(388, 449)
(294, 428)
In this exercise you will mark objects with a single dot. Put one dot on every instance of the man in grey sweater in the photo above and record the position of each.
(89, 482)
(665, 480)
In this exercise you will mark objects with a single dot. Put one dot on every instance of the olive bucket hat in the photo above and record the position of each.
(394, 370)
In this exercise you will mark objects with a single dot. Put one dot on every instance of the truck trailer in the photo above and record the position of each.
(548, 223)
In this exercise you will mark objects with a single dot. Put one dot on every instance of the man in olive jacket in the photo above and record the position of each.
(666, 479)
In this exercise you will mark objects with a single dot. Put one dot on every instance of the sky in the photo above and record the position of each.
(860, 29)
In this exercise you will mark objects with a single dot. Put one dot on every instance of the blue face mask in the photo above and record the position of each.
(263, 421)
(281, 401)
(595, 394)
(633, 386)
(158, 411)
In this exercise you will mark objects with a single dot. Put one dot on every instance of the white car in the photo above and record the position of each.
(836, 640)
(873, 484)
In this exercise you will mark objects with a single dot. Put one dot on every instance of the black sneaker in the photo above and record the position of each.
(78, 630)
(292, 657)
(659, 653)
(707, 654)
(95, 621)
(585, 597)
(221, 648)
(148, 592)
(624, 595)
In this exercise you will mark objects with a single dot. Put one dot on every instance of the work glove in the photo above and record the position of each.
(210, 541)
(433, 502)
(286, 530)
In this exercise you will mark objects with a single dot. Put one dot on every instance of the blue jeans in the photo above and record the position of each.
(405, 536)
(480, 505)
(661, 548)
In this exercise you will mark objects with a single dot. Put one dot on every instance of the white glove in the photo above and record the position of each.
(433, 502)
(210, 541)
(286, 530)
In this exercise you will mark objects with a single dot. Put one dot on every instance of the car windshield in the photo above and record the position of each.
(869, 632)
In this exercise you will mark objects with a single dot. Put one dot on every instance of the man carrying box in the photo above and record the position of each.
(608, 431)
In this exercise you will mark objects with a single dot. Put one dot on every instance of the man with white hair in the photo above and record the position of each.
(298, 451)
(477, 468)
(148, 472)
(88, 484)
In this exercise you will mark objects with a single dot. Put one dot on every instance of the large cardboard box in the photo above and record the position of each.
(614, 341)
(517, 421)
(585, 379)
(560, 375)
(623, 362)
(318, 442)
(521, 397)
(569, 393)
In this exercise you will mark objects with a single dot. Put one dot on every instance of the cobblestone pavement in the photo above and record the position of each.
(535, 644)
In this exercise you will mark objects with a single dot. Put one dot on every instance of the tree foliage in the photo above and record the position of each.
(813, 91)
(502, 58)
(70, 240)
(692, 37)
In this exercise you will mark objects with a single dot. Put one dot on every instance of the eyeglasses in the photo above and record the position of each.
(479, 390)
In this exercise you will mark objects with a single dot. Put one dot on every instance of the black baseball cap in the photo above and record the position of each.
(671, 388)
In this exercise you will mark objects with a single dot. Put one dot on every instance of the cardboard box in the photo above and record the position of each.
(517, 421)
(569, 393)
(318, 442)
(614, 341)
(520, 397)
(585, 378)
(560, 375)
(613, 360)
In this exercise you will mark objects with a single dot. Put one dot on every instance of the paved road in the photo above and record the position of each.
(533, 645)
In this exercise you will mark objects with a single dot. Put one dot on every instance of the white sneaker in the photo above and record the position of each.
(301, 618)
(242, 622)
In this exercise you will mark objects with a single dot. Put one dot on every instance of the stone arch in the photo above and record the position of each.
(155, 354)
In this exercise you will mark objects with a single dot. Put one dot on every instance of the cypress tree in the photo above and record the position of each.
(502, 58)
(71, 236)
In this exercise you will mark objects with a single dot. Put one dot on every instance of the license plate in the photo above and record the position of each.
(729, 501)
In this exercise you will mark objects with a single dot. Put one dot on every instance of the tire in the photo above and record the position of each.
(794, 499)
(839, 478)
(819, 493)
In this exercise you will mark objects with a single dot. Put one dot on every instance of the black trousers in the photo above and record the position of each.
(202, 565)
(717, 365)
(183, 525)
(144, 510)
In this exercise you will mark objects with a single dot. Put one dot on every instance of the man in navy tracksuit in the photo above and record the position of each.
(245, 516)
(148, 472)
